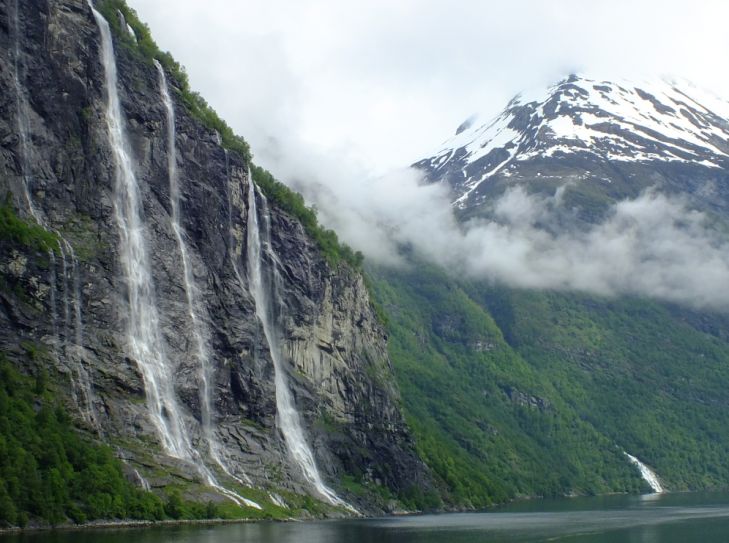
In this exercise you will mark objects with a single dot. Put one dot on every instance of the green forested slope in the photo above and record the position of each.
(489, 424)
(48, 471)
(515, 393)
(651, 375)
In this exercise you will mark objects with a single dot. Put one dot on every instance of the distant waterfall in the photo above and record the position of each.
(265, 284)
(72, 319)
(71, 301)
(648, 474)
(199, 329)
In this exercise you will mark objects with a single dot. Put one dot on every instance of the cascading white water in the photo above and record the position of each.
(72, 320)
(23, 119)
(649, 476)
(64, 291)
(143, 333)
(142, 481)
(54, 294)
(199, 329)
(234, 243)
(66, 251)
(265, 284)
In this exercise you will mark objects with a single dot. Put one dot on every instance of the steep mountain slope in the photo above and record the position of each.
(572, 379)
(487, 421)
(141, 304)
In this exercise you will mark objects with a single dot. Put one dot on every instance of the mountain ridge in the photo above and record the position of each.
(585, 124)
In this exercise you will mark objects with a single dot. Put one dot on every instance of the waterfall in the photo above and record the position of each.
(199, 329)
(64, 291)
(648, 474)
(72, 342)
(142, 481)
(82, 382)
(125, 25)
(234, 243)
(23, 118)
(54, 294)
(143, 331)
(265, 285)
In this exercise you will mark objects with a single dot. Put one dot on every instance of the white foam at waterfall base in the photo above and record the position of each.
(199, 329)
(264, 288)
(648, 474)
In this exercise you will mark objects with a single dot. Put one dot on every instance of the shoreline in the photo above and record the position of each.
(132, 524)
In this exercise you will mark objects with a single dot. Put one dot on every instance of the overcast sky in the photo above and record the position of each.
(380, 83)
(337, 98)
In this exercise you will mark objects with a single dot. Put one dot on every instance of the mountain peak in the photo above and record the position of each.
(608, 121)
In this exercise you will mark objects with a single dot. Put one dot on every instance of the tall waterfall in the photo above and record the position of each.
(143, 331)
(143, 334)
(647, 473)
(199, 329)
(265, 283)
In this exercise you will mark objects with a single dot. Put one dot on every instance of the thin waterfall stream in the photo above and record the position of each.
(71, 296)
(265, 285)
(199, 329)
(23, 118)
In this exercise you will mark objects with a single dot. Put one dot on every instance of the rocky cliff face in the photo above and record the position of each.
(69, 309)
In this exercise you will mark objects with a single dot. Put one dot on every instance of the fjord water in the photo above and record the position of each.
(665, 518)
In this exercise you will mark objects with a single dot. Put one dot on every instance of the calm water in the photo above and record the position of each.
(680, 518)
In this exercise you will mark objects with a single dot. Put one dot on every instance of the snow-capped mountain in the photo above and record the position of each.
(618, 137)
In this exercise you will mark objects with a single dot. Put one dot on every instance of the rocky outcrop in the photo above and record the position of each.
(334, 347)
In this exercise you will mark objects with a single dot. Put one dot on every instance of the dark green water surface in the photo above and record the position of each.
(673, 518)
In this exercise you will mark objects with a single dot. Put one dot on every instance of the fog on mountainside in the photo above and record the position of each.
(654, 236)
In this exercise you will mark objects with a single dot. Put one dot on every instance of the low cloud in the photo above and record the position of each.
(653, 245)
(327, 94)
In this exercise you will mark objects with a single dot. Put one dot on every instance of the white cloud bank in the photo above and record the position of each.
(651, 246)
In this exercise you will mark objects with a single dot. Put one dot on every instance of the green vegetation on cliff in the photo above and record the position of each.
(485, 421)
(13, 229)
(293, 203)
(522, 393)
(48, 471)
(651, 376)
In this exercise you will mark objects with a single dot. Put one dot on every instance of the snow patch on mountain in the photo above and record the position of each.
(621, 121)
